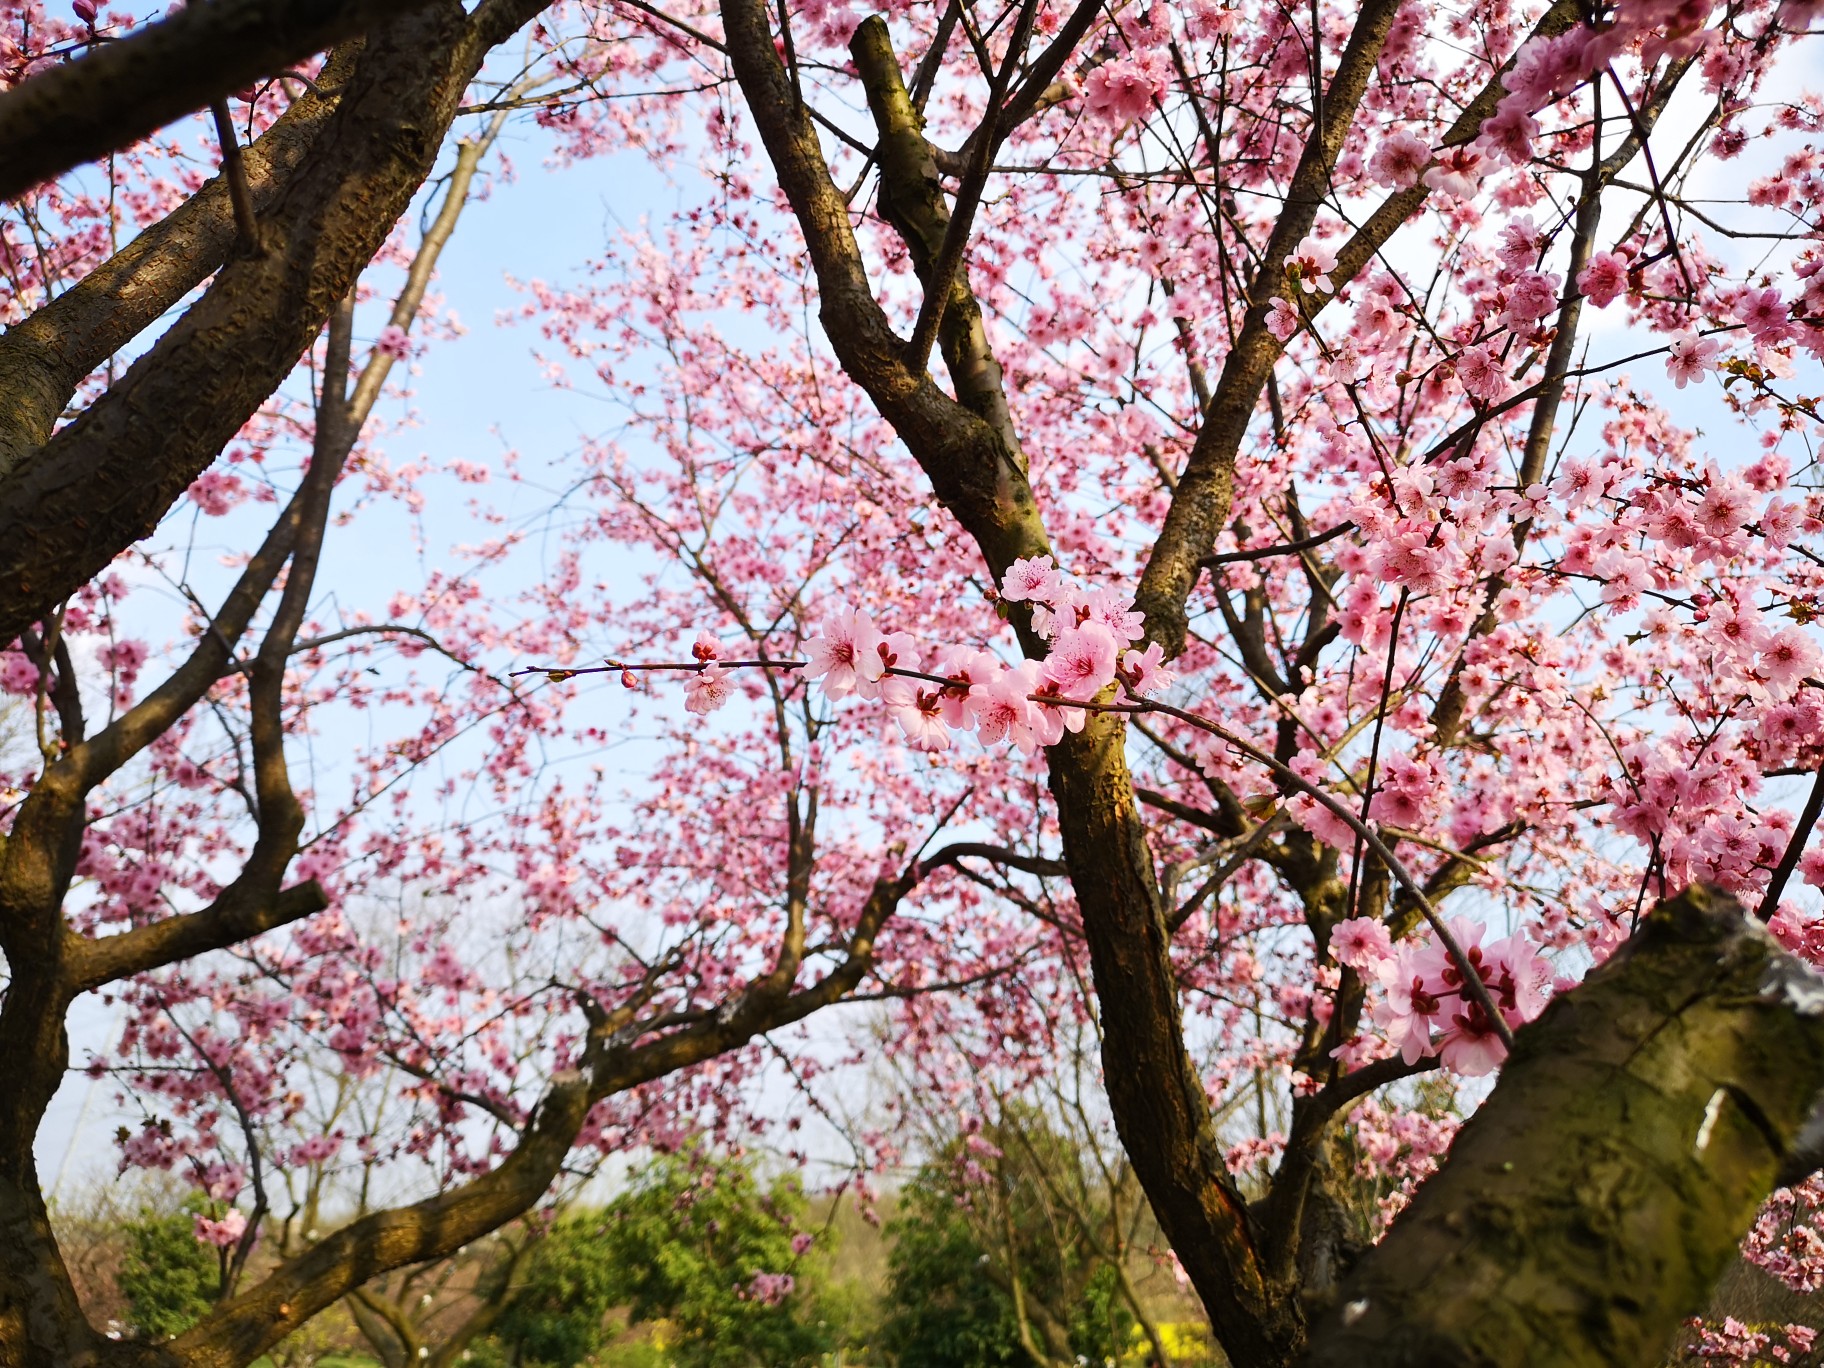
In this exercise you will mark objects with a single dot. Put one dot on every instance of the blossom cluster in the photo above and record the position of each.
(1734, 1343)
(1424, 991)
(1091, 633)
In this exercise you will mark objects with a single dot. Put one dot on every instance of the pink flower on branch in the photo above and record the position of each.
(842, 653)
(1691, 357)
(224, 1233)
(708, 690)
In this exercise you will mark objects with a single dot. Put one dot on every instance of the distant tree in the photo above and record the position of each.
(169, 1278)
(989, 1268)
(698, 1242)
(558, 1315)
(943, 1312)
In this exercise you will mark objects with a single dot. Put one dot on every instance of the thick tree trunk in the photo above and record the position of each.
(1590, 1204)
(1161, 1109)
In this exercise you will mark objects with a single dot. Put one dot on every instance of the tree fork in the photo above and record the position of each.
(1590, 1204)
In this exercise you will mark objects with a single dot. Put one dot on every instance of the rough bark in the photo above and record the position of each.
(1161, 1110)
(120, 91)
(1590, 1204)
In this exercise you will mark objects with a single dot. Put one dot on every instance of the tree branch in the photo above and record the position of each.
(237, 915)
(122, 90)
(1588, 1206)
(1200, 505)
(69, 506)
(44, 357)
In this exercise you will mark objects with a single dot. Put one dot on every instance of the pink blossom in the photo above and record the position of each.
(1508, 136)
(847, 645)
(1481, 374)
(1787, 659)
(1033, 578)
(1082, 660)
(394, 342)
(801, 1242)
(894, 651)
(1605, 279)
(1282, 319)
(1690, 357)
(708, 689)
(1458, 173)
(1310, 265)
(225, 1233)
(1145, 672)
(1379, 317)
(1126, 88)
(1544, 68)
(1361, 943)
(1399, 160)
(1764, 314)
(1004, 709)
(1411, 1009)
(918, 709)
(1426, 991)
(1530, 298)
(217, 492)
(1407, 790)
(968, 667)
(1521, 243)
(770, 1289)
(1113, 610)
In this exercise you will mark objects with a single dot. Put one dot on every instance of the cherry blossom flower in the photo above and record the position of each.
(224, 1233)
(1145, 672)
(1361, 943)
(1458, 172)
(893, 651)
(918, 709)
(1082, 660)
(1003, 706)
(1764, 314)
(1126, 88)
(1508, 136)
(1310, 265)
(1399, 160)
(1605, 279)
(770, 1289)
(1379, 317)
(1786, 660)
(846, 645)
(968, 667)
(1691, 356)
(708, 689)
(1410, 1010)
(1481, 374)
(394, 342)
(1035, 579)
(1531, 297)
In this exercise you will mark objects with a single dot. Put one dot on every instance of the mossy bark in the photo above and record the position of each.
(1591, 1203)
